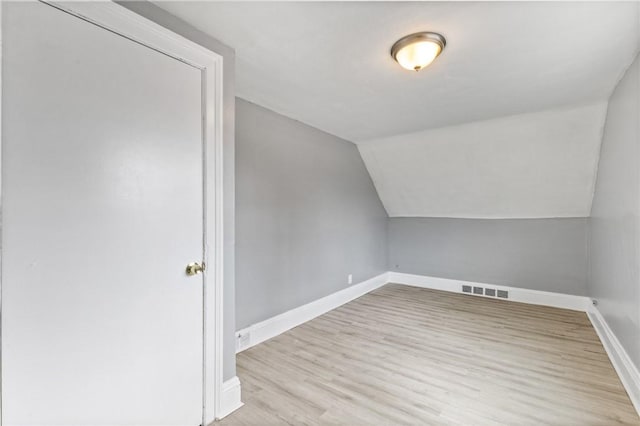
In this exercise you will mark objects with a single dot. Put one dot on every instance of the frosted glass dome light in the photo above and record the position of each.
(418, 50)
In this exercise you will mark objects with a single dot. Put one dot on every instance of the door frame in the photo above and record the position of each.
(126, 23)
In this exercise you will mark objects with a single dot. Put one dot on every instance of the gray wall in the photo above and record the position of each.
(537, 254)
(178, 26)
(614, 226)
(307, 215)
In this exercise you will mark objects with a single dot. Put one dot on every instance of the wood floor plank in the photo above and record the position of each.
(410, 356)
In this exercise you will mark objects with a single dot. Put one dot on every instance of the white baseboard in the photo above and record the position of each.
(534, 297)
(627, 371)
(230, 398)
(265, 330)
(274, 326)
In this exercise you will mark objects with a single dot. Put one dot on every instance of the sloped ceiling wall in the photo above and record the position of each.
(535, 165)
(327, 64)
(445, 142)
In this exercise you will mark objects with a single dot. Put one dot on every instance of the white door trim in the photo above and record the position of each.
(120, 20)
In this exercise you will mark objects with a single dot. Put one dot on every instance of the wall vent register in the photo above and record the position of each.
(486, 292)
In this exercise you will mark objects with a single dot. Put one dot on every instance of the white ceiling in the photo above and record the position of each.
(328, 64)
(532, 165)
(506, 123)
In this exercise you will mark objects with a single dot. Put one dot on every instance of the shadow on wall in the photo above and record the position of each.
(308, 215)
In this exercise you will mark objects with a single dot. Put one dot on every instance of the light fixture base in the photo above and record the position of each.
(415, 38)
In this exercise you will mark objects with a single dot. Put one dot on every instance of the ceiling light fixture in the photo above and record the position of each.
(416, 51)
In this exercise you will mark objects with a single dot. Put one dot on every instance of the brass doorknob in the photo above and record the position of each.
(194, 268)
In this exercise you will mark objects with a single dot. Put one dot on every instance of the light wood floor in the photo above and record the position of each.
(409, 356)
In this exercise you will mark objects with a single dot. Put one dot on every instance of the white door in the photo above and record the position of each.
(102, 192)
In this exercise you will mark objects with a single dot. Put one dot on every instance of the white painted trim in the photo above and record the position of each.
(230, 399)
(1, 203)
(129, 24)
(121, 20)
(623, 365)
(274, 326)
(534, 297)
(626, 369)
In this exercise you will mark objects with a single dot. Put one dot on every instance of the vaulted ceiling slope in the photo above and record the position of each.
(327, 64)
(534, 165)
(506, 123)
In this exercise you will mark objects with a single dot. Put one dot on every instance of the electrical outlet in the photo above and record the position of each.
(350, 279)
